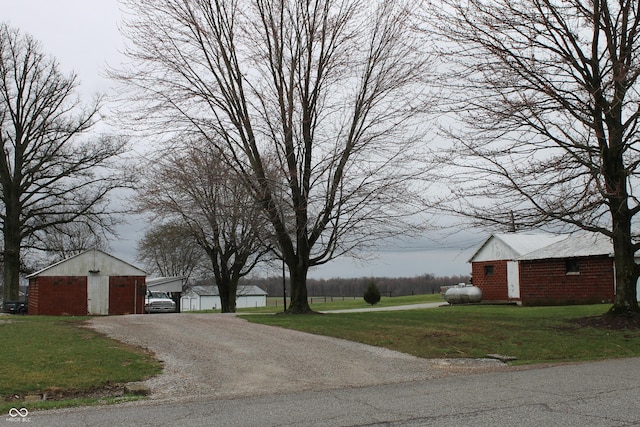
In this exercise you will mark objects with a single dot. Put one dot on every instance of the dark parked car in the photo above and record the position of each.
(16, 307)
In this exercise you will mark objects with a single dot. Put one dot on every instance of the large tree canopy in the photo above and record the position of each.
(48, 175)
(547, 95)
(317, 105)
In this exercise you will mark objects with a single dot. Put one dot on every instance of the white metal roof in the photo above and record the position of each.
(575, 245)
(165, 284)
(526, 243)
(512, 245)
(92, 261)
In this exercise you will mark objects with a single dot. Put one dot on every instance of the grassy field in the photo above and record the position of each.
(531, 334)
(318, 303)
(48, 354)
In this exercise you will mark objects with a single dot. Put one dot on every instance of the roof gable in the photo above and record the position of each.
(510, 246)
(93, 261)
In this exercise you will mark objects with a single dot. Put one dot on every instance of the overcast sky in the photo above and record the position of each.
(83, 35)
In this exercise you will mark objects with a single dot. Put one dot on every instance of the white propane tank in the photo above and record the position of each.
(463, 294)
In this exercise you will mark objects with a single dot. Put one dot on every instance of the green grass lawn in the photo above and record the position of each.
(275, 305)
(531, 334)
(42, 353)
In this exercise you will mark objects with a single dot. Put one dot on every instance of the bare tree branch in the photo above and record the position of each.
(193, 188)
(169, 250)
(547, 93)
(331, 92)
(49, 177)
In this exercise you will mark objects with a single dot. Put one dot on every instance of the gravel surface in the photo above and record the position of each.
(223, 356)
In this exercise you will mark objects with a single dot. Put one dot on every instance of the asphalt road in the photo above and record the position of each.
(591, 394)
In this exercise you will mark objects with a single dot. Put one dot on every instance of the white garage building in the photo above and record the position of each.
(208, 298)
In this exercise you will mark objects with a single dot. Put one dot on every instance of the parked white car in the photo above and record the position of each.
(158, 302)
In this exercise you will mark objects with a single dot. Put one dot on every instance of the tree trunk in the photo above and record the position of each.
(617, 193)
(298, 277)
(626, 270)
(227, 293)
(12, 244)
(11, 273)
(227, 286)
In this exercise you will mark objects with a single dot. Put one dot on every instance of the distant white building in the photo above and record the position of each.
(208, 298)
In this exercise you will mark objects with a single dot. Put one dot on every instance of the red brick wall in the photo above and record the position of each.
(122, 291)
(58, 296)
(67, 295)
(32, 303)
(545, 282)
(494, 287)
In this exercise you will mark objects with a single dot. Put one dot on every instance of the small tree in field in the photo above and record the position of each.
(372, 294)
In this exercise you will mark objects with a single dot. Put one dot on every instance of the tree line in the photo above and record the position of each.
(354, 287)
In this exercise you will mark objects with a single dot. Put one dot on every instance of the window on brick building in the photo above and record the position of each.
(572, 266)
(488, 270)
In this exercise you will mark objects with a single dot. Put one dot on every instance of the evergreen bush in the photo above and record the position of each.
(372, 294)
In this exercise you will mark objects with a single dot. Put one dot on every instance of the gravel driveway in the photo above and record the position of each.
(223, 356)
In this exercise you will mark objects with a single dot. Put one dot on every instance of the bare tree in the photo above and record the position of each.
(191, 187)
(68, 239)
(331, 91)
(48, 175)
(169, 250)
(548, 92)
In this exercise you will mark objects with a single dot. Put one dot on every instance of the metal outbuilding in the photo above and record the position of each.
(92, 282)
(208, 298)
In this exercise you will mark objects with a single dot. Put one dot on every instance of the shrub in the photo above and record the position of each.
(372, 294)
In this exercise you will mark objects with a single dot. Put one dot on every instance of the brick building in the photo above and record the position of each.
(92, 282)
(545, 269)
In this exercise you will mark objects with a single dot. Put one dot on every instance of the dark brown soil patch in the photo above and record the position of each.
(112, 390)
(608, 321)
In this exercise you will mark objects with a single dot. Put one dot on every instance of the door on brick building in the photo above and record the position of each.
(513, 280)
(97, 294)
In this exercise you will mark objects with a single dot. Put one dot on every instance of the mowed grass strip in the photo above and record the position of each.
(275, 304)
(531, 334)
(40, 353)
